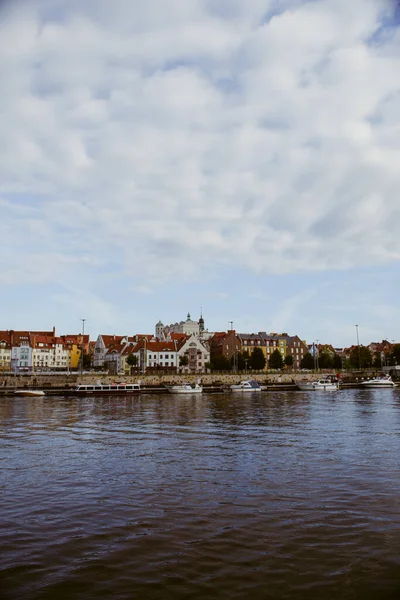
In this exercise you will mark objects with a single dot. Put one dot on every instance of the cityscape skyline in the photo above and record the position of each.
(153, 330)
(239, 156)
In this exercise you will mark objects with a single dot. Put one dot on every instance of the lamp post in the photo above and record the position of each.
(317, 356)
(358, 348)
(82, 345)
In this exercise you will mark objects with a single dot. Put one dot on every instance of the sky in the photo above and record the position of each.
(236, 158)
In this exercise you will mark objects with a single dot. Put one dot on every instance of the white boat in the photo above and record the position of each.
(324, 385)
(246, 386)
(112, 389)
(185, 388)
(379, 382)
(30, 393)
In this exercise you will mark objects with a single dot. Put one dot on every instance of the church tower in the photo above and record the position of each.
(160, 330)
(201, 322)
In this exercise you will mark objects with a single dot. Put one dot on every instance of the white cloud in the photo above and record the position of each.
(178, 136)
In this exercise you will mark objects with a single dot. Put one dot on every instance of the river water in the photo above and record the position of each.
(272, 495)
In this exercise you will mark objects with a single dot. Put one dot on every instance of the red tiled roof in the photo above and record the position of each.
(111, 339)
(179, 336)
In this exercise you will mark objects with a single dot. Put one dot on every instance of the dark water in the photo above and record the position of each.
(286, 495)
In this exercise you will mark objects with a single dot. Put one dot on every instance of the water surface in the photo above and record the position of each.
(272, 495)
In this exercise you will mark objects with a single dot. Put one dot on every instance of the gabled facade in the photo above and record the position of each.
(129, 349)
(224, 343)
(5, 351)
(382, 349)
(156, 354)
(198, 355)
(103, 343)
(297, 348)
(113, 355)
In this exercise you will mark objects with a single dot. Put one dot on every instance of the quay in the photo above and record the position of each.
(64, 385)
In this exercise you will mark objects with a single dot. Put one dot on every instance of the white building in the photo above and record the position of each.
(198, 355)
(103, 344)
(188, 327)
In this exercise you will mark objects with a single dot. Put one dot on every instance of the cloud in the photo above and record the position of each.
(176, 138)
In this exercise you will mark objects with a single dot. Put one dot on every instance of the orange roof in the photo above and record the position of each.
(179, 336)
(111, 339)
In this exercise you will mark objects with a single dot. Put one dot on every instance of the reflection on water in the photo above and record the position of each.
(285, 495)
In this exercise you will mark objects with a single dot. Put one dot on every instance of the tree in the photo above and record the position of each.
(337, 361)
(242, 357)
(276, 360)
(219, 362)
(377, 360)
(360, 357)
(289, 360)
(307, 362)
(86, 360)
(183, 361)
(257, 359)
(132, 360)
(325, 360)
(395, 355)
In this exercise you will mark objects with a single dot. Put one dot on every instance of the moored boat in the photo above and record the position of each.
(185, 388)
(379, 382)
(246, 386)
(324, 385)
(30, 393)
(120, 388)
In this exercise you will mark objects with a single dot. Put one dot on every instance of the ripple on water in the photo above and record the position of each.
(279, 496)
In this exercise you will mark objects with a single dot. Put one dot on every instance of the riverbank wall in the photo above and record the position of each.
(48, 381)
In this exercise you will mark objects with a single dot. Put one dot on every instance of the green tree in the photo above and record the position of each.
(360, 357)
(220, 363)
(276, 360)
(86, 361)
(377, 361)
(289, 360)
(395, 355)
(242, 357)
(183, 361)
(337, 361)
(257, 359)
(132, 361)
(325, 360)
(307, 362)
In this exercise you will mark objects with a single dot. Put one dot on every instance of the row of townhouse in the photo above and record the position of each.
(35, 351)
(185, 352)
(229, 343)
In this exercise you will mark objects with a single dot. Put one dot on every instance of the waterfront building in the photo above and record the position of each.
(113, 355)
(103, 343)
(272, 342)
(197, 354)
(296, 348)
(5, 351)
(224, 343)
(381, 351)
(22, 343)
